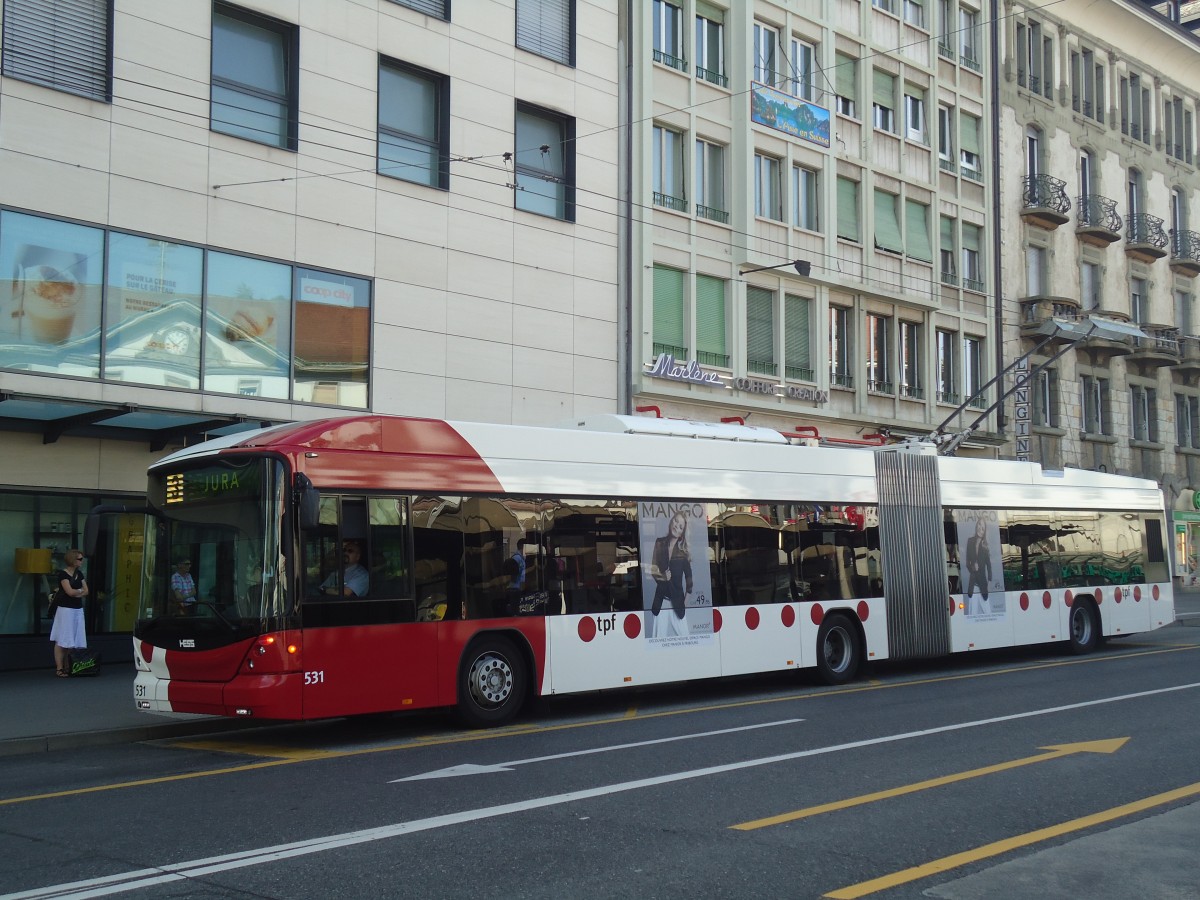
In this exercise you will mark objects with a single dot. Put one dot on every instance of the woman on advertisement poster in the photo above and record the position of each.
(672, 572)
(983, 584)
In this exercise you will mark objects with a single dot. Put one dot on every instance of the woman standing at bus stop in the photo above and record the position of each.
(67, 632)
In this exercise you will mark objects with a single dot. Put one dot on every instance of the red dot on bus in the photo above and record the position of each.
(633, 625)
(816, 614)
(1099, 594)
(1117, 594)
(716, 620)
(1068, 597)
(751, 618)
(1047, 600)
(1154, 591)
(587, 628)
(863, 610)
(147, 651)
(1137, 593)
(788, 616)
(952, 606)
(1024, 601)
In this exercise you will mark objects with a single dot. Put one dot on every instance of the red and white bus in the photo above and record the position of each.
(371, 563)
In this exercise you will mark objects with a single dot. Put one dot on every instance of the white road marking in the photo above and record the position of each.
(473, 769)
(141, 878)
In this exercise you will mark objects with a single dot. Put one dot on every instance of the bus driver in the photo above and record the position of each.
(355, 579)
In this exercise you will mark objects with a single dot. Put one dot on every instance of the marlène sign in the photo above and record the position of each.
(665, 366)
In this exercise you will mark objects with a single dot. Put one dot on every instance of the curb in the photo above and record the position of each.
(79, 739)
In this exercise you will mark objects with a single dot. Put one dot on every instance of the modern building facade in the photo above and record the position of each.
(1099, 224)
(852, 137)
(215, 215)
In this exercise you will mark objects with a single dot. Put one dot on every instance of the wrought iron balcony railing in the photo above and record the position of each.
(1185, 246)
(676, 203)
(1146, 229)
(711, 212)
(667, 59)
(1046, 192)
(1099, 212)
(712, 77)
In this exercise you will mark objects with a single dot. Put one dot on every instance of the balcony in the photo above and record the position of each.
(667, 59)
(712, 213)
(1037, 311)
(1099, 223)
(1145, 239)
(1045, 202)
(1160, 347)
(1189, 356)
(712, 77)
(666, 200)
(1185, 252)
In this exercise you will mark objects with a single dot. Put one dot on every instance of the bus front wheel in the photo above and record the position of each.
(492, 682)
(1083, 627)
(839, 652)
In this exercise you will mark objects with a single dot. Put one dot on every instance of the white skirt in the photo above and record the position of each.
(67, 630)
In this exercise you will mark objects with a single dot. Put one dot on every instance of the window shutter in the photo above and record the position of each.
(1022, 50)
(710, 315)
(796, 346)
(544, 28)
(968, 133)
(887, 225)
(62, 45)
(883, 91)
(970, 237)
(947, 235)
(429, 7)
(709, 11)
(847, 223)
(668, 307)
(916, 223)
(760, 331)
(846, 79)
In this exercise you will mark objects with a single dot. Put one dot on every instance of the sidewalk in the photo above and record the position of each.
(42, 712)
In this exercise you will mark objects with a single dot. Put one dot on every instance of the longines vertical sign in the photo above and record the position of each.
(666, 367)
(1021, 410)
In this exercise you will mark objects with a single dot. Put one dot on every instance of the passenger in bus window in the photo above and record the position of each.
(354, 576)
(979, 567)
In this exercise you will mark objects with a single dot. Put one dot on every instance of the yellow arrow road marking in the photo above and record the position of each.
(1056, 751)
(946, 863)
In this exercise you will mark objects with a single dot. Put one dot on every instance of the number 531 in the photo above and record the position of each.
(314, 677)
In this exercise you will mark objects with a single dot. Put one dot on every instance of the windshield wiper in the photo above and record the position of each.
(217, 613)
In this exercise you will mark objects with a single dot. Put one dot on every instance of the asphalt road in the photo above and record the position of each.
(1017, 774)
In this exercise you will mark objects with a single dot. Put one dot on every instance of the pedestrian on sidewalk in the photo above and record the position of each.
(67, 632)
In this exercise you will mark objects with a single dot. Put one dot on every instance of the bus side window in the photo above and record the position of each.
(389, 554)
(321, 549)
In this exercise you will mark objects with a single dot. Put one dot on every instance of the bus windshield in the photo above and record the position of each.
(216, 552)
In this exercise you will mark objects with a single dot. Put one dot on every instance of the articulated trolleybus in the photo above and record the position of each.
(369, 564)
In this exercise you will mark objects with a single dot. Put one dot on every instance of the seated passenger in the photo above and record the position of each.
(354, 577)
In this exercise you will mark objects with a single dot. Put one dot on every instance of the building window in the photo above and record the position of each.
(972, 259)
(841, 347)
(879, 357)
(914, 12)
(547, 28)
(1087, 85)
(887, 223)
(436, 8)
(760, 332)
(946, 139)
(797, 338)
(947, 367)
(1173, 126)
(1135, 197)
(883, 101)
(1089, 285)
(805, 198)
(1139, 300)
(669, 331)
(846, 83)
(667, 149)
(710, 45)
(911, 360)
(847, 210)
(766, 68)
(915, 126)
(968, 25)
(710, 182)
(711, 349)
(545, 163)
(414, 125)
(1035, 59)
(1187, 421)
(916, 231)
(946, 29)
(768, 200)
(947, 253)
(1183, 313)
(254, 76)
(62, 45)
(1096, 408)
(668, 35)
(800, 81)
(1035, 271)
(973, 372)
(885, 5)
(968, 146)
(1045, 399)
(1143, 403)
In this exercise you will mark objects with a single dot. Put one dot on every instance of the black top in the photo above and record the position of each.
(76, 583)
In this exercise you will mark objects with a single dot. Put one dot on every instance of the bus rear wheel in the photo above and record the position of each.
(1083, 627)
(839, 652)
(492, 683)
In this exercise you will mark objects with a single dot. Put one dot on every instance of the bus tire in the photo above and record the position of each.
(839, 650)
(492, 682)
(1083, 626)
